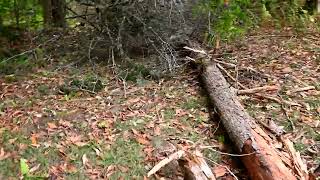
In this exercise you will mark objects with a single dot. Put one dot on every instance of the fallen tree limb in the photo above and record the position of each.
(266, 162)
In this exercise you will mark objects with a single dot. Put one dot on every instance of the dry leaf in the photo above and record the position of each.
(142, 140)
(71, 169)
(52, 125)
(35, 168)
(85, 160)
(3, 154)
(157, 130)
(219, 171)
(287, 70)
(34, 140)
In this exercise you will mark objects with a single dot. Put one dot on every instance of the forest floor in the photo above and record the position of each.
(128, 126)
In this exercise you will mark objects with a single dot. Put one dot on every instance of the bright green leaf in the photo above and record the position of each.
(24, 167)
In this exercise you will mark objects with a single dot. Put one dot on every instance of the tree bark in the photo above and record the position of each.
(264, 162)
(54, 12)
(46, 8)
(16, 13)
(58, 13)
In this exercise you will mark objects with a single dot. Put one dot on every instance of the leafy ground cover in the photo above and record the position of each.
(76, 123)
(109, 134)
(290, 61)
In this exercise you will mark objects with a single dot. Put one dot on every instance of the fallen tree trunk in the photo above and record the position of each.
(265, 162)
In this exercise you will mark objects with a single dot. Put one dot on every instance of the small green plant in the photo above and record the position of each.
(228, 19)
(135, 72)
(43, 89)
(90, 84)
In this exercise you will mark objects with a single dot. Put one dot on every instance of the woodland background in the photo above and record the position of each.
(108, 88)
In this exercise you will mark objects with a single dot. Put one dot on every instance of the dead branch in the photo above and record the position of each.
(258, 89)
(307, 88)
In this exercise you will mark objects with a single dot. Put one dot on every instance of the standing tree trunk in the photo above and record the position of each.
(58, 13)
(16, 13)
(47, 9)
(54, 13)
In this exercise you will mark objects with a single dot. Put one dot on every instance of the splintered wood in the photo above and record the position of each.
(192, 163)
(265, 162)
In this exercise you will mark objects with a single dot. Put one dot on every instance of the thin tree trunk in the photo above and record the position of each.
(16, 13)
(47, 12)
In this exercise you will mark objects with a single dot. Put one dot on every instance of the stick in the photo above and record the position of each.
(162, 163)
(257, 89)
(230, 76)
(307, 88)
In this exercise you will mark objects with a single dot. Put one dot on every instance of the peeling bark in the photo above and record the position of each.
(266, 162)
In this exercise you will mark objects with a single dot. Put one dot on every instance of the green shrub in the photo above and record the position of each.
(231, 19)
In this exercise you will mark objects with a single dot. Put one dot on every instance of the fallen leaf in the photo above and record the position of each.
(219, 171)
(142, 140)
(52, 125)
(71, 168)
(287, 70)
(3, 154)
(135, 132)
(34, 140)
(85, 160)
(157, 130)
(35, 168)
(123, 169)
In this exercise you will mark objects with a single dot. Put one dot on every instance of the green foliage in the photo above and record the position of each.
(232, 19)
(24, 167)
(12, 66)
(20, 13)
(89, 83)
(228, 20)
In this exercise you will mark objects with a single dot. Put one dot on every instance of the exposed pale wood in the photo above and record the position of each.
(248, 137)
(175, 156)
(195, 167)
(299, 167)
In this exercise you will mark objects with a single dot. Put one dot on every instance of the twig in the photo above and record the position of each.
(307, 88)
(230, 65)
(124, 85)
(195, 50)
(280, 101)
(286, 114)
(272, 35)
(230, 76)
(223, 167)
(30, 50)
(162, 163)
(229, 154)
(86, 90)
(85, 19)
(79, 16)
(258, 89)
